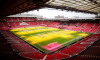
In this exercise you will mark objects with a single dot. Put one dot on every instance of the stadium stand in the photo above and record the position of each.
(25, 50)
(84, 27)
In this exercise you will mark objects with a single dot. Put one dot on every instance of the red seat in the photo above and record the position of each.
(72, 50)
(45, 22)
(89, 25)
(9, 19)
(34, 23)
(32, 55)
(12, 24)
(82, 25)
(3, 19)
(96, 35)
(1, 24)
(65, 25)
(17, 23)
(20, 18)
(40, 22)
(15, 19)
(26, 19)
(73, 24)
(60, 56)
(32, 19)
(76, 29)
(96, 25)
(79, 44)
(95, 28)
(85, 30)
(22, 47)
(50, 57)
(6, 24)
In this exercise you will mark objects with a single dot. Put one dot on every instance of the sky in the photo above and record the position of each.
(51, 13)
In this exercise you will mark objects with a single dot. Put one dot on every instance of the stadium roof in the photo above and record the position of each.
(89, 6)
(18, 6)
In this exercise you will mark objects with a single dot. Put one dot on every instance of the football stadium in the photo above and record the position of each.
(50, 30)
(48, 39)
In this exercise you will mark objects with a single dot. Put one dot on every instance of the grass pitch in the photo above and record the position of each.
(48, 39)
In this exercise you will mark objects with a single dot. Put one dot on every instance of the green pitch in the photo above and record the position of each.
(48, 39)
